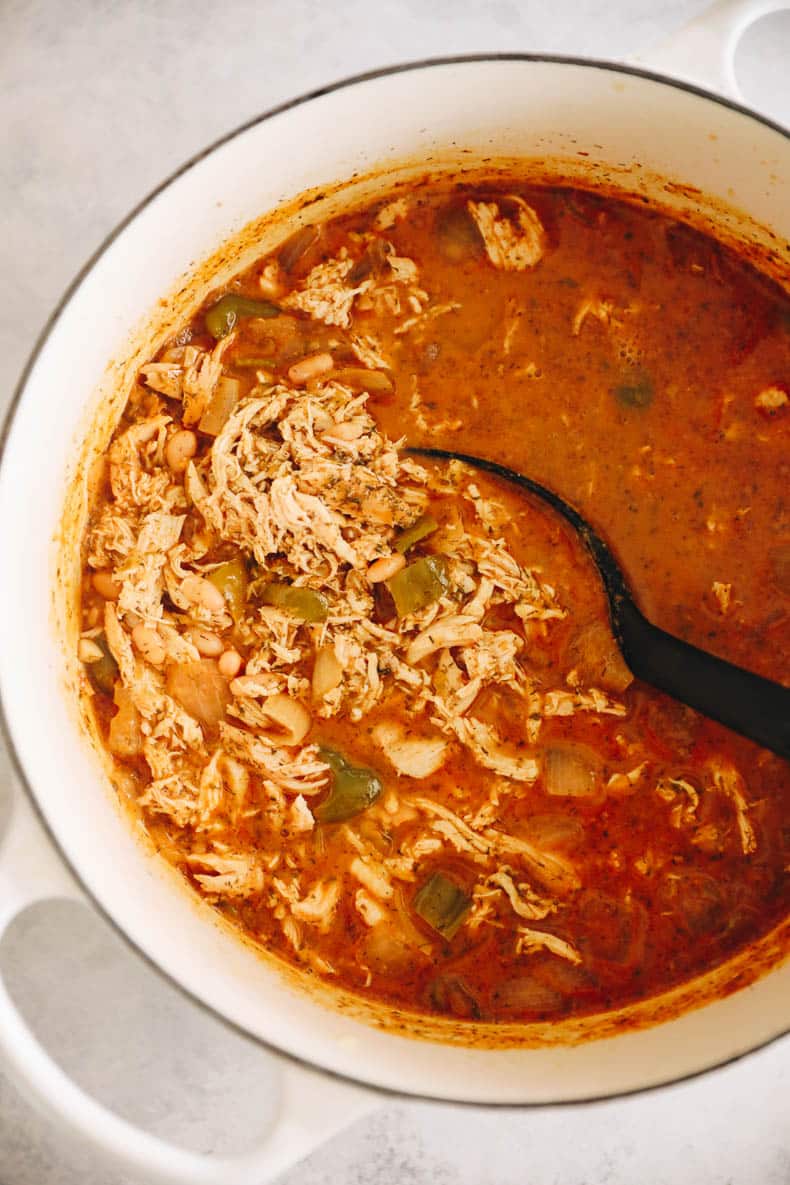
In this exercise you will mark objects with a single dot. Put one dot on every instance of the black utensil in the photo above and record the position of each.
(755, 707)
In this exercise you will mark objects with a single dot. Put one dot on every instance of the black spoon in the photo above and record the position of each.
(755, 707)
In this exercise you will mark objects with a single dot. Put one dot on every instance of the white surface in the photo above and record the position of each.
(102, 101)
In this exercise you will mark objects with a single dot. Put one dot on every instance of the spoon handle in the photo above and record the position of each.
(753, 706)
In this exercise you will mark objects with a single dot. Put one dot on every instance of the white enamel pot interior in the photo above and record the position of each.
(489, 108)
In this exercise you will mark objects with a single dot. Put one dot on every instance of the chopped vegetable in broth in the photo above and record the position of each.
(372, 707)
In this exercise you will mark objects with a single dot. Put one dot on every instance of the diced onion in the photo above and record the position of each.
(697, 902)
(595, 656)
(412, 756)
(527, 994)
(125, 738)
(290, 719)
(200, 689)
(449, 993)
(612, 929)
(554, 832)
(327, 672)
(193, 485)
(570, 772)
(223, 401)
(387, 950)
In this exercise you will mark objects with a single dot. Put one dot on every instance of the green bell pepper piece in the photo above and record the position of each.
(353, 789)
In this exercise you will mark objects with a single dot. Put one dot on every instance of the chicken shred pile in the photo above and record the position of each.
(316, 511)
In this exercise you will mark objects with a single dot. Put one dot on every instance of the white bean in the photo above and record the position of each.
(311, 367)
(206, 643)
(180, 449)
(199, 591)
(327, 672)
(106, 585)
(148, 642)
(385, 568)
(229, 664)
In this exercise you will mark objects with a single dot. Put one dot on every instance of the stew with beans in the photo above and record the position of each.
(372, 708)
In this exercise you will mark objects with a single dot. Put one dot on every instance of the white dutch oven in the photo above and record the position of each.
(633, 126)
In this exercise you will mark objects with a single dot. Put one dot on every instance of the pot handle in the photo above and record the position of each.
(312, 1106)
(703, 51)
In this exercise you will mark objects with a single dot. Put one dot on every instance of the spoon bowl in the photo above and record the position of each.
(755, 707)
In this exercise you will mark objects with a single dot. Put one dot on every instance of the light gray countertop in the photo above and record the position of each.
(100, 100)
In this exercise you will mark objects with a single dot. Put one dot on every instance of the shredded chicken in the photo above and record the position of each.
(727, 780)
(492, 753)
(137, 478)
(316, 908)
(627, 782)
(141, 574)
(329, 293)
(302, 818)
(513, 244)
(683, 799)
(455, 630)
(228, 875)
(372, 875)
(552, 871)
(723, 594)
(326, 294)
(567, 703)
(369, 908)
(193, 381)
(523, 899)
(300, 773)
(368, 351)
(392, 212)
(601, 310)
(530, 941)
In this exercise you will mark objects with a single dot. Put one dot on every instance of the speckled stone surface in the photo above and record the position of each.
(100, 100)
